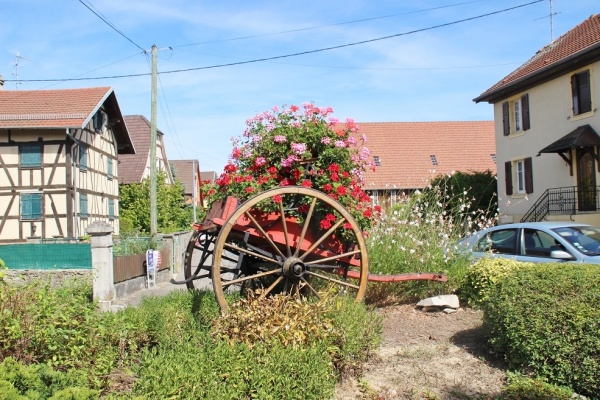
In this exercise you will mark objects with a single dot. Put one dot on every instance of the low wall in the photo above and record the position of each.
(56, 277)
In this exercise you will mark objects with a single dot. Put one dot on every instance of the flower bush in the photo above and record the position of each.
(299, 146)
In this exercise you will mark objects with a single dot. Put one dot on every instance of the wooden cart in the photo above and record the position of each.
(289, 249)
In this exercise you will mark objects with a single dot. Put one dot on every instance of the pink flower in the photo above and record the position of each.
(279, 139)
(333, 121)
(260, 161)
(340, 143)
(326, 140)
(299, 148)
(289, 161)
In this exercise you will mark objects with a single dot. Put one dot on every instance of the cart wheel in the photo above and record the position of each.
(290, 250)
(198, 259)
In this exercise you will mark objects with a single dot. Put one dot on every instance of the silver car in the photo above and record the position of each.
(537, 242)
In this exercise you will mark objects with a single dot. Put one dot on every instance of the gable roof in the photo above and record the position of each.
(132, 166)
(62, 108)
(405, 151)
(576, 48)
(185, 171)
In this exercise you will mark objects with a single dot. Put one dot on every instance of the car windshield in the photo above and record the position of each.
(586, 239)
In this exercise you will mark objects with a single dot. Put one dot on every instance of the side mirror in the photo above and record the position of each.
(561, 255)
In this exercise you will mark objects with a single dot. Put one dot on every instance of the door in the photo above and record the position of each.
(586, 179)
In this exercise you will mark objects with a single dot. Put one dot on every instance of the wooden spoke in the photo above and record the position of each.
(285, 229)
(250, 253)
(247, 278)
(270, 288)
(322, 238)
(347, 284)
(256, 224)
(336, 257)
(309, 286)
(306, 225)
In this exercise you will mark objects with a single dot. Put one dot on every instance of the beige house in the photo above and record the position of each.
(547, 124)
(134, 168)
(58, 162)
(408, 155)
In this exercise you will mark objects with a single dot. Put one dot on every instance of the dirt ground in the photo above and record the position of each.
(428, 355)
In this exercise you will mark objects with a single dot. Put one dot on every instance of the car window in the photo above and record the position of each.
(501, 241)
(538, 243)
(586, 239)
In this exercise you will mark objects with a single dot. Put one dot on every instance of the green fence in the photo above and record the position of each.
(47, 256)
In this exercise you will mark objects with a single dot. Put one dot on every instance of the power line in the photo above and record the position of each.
(326, 26)
(98, 14)
(295, 54)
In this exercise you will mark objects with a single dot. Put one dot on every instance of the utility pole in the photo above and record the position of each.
(195, 190)
(153, 208)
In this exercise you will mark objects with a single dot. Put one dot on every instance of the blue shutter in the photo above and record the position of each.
(31, 206)
(111, 209)
(109, 168)
(83, 205)
(31, 155)
(82, 157)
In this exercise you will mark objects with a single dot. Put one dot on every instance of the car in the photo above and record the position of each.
(547, 241)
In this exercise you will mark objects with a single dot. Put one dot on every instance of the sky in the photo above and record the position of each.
(222, 62)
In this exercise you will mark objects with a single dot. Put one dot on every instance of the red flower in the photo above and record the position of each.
(238, 179)
(330, 217)
(236, 153)
(249, 178)
(368, 212)
(341, 190)
(334, 168)
(211, 192)
(277, 198)
(347, 225)
(294, 108)
(306, 183)
(285, 182)
(230, 168)
(325, 224)
(335, 177)
(345, 174)
(327, 187)
(249, 189)
(303, 208)
(378, 208)
(224, 180)
(297, 174)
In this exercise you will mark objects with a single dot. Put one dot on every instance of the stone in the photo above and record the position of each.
(440, 302)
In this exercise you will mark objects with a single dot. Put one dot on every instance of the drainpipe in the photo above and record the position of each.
(75, 202)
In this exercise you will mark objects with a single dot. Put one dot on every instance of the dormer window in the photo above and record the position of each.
(98, 121)
(377, 161)
(434, 160)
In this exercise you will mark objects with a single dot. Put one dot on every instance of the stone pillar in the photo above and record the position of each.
(102, 264)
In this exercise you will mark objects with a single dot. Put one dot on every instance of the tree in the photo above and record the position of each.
(173, 214)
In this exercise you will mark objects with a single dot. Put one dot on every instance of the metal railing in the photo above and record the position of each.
(568, 200)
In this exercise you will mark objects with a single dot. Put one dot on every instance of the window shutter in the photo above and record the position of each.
(585, 93)
(508, 177)
(525, 109)
(528, 176)
(505, 118)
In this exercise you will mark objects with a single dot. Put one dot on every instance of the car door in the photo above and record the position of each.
(501, 242)
(537, 246)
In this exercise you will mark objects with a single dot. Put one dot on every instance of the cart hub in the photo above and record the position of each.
(294, 268)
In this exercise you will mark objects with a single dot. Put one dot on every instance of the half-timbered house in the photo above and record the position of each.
(59, 162)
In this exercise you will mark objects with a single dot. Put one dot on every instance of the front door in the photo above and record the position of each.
(586, 179)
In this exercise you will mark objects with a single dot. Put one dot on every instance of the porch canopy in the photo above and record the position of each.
(584, 136)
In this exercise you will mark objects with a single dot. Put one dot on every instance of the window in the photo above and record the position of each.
(581, 92)
(377, 160)
(31, 155)
(98, 121)
(538, 243)
(83, 157)
(31, 206)
(83, 205)
(500, 241)
(523, 176)
(375, 197)
(111, 209)
(515, 115)
(434, 160)
(109, 168)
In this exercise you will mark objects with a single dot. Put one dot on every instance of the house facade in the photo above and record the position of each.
(408, 155)
(59, 162)
(547, 124)
(134, 168)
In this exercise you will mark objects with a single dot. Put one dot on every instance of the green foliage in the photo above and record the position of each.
(3, 269)
(173, 214)
(520, 387)
(545, 321)
(133, 243)
(480, 187)
(419, 234)
(41, 381)
(483, 276)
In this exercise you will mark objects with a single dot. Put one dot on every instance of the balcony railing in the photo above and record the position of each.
(568, 200)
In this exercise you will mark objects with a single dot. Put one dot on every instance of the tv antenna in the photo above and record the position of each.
(18, 59)
(551, 16)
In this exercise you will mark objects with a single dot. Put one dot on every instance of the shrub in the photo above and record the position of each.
(545, 320)
(483, 276)
(520, 387)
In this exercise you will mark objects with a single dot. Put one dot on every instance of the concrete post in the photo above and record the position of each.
(102, 264)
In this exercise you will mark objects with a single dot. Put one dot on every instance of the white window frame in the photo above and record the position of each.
(520, 176)
(517, 113)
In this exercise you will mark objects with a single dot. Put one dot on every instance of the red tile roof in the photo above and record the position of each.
(132, 166)
(185, 170)
(583, 39)
(64, 108)
(405, 151)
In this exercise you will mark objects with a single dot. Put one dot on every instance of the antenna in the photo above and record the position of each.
(18, 58)
(551, 15)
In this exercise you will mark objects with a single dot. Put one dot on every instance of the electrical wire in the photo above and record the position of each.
(293, 54)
